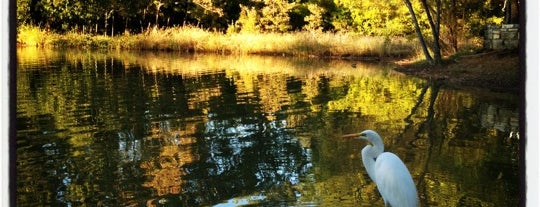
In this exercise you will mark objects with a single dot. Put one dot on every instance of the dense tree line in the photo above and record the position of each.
(450, 20)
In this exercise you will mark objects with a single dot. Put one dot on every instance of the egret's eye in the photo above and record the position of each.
(363, 134)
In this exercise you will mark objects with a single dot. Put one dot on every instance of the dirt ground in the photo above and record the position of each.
(497, 71)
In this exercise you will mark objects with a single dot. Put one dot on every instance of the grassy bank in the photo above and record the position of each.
(196, 40)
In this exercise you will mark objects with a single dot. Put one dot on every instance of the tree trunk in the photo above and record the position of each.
(105, 30)
(507, 8)
(434, 28)
(418, 31)
(107, 16)
(112, 26)
(436, 36)
(158, 7)
(453, 27)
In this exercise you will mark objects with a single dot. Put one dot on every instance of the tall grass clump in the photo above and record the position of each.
(190, 39)
(28, 35)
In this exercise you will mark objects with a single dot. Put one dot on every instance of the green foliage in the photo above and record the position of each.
(379, 18)
(341, 19)
(274, 15)
(33, 36)
(315, 18)
(297, 17)
(23, 9)
(466, 20)
(248, 20)
(461, 21)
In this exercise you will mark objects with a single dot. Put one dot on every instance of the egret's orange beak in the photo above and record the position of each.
(351, 136)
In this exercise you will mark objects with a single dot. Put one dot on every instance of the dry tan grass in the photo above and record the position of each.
(196, 40)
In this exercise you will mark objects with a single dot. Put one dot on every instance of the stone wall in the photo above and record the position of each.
(505, 36)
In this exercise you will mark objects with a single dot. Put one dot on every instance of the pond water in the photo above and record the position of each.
(163, 129)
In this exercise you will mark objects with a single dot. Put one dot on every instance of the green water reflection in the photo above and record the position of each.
(161, 129)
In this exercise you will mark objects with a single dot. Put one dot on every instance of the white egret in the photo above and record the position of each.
(389, 173)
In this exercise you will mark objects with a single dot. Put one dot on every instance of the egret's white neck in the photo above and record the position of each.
(370, 153)
(377, 148)
(368, 158)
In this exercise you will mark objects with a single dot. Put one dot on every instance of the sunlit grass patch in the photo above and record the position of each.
(33, 36)
(196, 40)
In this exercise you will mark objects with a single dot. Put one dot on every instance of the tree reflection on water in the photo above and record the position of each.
(131, 129)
